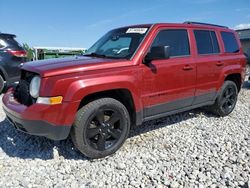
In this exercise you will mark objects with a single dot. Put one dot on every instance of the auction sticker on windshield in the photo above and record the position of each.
(137, 30)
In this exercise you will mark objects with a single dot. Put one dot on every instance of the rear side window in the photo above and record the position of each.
(176, 39)
(206, 42)
(230, 42)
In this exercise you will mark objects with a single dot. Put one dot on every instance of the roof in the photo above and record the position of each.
(7, 35)
(185, 24)
(192, 25)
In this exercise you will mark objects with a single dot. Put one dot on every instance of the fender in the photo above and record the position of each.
(81, 88)
(232, 69)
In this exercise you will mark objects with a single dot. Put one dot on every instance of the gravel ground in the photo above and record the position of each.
(191, 149)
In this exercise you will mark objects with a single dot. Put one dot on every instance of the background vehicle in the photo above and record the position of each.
(131, 75)
(244, 35)
(12, 55)
(41, 53)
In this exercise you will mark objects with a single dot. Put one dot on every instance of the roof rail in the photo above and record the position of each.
(200, 23)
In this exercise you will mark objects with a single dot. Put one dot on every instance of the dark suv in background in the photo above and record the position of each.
(12, 55)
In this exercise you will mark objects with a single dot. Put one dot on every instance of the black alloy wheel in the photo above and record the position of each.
(104, 129)
(226, 99)
(229, 99)
(100, 127)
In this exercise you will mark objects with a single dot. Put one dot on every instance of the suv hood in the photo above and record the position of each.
(53, 67)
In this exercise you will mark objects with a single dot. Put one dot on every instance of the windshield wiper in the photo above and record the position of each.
(95, 55)
(102, 56)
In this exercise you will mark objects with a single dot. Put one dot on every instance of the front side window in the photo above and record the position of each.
(206, 42)
(119, 43)
(230, 42)
(176, 39)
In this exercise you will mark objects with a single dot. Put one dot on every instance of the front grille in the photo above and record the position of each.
(22, 93)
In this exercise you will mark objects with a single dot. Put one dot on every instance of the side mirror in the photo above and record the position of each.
(158, 52)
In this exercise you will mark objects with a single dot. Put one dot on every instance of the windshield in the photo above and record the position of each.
(119, 43)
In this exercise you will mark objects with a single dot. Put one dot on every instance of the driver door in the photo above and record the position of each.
(169, 84)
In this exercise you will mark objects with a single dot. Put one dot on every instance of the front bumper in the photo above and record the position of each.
(35, 119)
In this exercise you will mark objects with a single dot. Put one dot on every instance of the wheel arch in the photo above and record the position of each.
(236, 78)
(123, 95)
(122, 88)
(232, 73)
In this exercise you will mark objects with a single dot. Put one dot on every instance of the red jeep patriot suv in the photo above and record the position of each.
(131, 75)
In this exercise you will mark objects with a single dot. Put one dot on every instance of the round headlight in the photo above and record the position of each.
(35, 86)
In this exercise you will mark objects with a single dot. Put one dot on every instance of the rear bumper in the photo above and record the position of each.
(50, 121)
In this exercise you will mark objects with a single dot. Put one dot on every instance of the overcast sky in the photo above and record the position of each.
(79, 23)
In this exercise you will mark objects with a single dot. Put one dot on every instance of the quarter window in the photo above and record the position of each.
(176, 39)
(230, 42)
(206, 42)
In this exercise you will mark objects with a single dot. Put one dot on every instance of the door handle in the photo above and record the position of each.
(219, 63)
(187, 67)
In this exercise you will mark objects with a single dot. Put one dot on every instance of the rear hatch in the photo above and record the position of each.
(12, 47)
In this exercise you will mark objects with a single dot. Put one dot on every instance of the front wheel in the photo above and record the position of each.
(226, 99)
(100, 127)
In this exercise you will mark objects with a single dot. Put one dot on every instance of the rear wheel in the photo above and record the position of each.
(101, 127)
(226, 99)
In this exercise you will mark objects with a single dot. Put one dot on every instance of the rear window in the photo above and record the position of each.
(11, 42)
(230, 42)
(207, 42)
(2, 44)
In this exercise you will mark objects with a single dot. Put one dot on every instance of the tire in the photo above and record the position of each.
(226, 99)
(2, 84)
(103, 120)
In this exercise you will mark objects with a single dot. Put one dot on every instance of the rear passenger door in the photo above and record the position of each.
(208, 65)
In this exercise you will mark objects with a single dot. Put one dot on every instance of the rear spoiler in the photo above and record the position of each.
(7, 35)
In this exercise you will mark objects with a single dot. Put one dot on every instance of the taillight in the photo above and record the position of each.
(18, 53)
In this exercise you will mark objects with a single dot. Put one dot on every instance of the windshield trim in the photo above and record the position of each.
(149, 30)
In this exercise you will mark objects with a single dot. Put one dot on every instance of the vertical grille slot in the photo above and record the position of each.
(22, 93)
